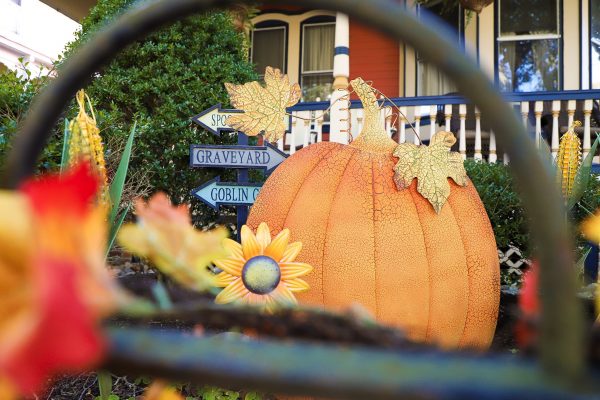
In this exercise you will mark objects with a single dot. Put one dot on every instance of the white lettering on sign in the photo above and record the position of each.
(228, 157)
(263, 157)
(232, 194)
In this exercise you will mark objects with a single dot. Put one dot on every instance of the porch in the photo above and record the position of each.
(546, 115)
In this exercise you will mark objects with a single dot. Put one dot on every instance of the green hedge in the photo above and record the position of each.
(161, 82)
(497, 190)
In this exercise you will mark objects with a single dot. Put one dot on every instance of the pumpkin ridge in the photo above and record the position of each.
(375, 258)
(412, 195)
(345, 170)
(469, 299)
(304, 181)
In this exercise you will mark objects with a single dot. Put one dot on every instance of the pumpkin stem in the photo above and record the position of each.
(373, 136)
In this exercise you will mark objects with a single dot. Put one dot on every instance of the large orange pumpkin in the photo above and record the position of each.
(434, 275)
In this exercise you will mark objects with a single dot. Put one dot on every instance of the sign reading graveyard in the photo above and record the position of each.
(257, 157)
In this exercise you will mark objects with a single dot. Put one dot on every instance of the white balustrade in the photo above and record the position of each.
(539, 109)
(493, 156)
(478, 155)
(571, 108)
(555, 114)
(462, 137)
(432, 123)
(417, 132)
(402, 137)
(471, 132)
(448, 116)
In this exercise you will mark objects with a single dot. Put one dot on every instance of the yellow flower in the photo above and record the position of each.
(591, 228)
(164, 234)
(159, 390)
(261, 271)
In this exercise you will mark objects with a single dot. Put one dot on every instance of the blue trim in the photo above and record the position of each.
(457, 99)
(216, 132)
(341, 50)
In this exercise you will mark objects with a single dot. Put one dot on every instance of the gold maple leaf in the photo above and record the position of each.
(432, 166)
(264, 107)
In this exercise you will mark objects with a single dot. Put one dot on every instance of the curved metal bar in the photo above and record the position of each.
(562, 351)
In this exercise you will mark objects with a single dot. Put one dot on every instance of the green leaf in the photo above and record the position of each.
(64, 161)
(252, 396)
(579, 266)
(118, 182)
(114, 228)
(583, 176)
(105, 385)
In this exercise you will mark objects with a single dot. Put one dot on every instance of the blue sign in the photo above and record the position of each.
(257, 157)
(213, 119)
(215, 193)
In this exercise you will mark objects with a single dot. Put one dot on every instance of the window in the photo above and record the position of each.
(430, 81)
(595, 43)
(318, 41)
(269, 47)
(528, 46)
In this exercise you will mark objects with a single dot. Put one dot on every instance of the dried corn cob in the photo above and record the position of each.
(568, 159)
(86, 143)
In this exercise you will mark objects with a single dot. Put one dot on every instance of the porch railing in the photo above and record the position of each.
(545, 114)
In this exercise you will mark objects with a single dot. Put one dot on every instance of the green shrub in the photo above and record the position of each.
(17, 89)
(161, 82)
(502, 202)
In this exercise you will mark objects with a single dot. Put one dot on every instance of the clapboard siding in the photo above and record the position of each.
(375, 58)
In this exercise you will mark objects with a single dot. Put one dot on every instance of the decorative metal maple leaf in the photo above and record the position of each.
(264, 107)
(432, 166)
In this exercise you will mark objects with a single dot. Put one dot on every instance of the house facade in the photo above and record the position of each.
(523, 45)
(22, 36)
(531, 49)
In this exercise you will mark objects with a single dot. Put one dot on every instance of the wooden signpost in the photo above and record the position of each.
(242, 157)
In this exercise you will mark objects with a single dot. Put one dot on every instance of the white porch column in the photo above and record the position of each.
(340, 114)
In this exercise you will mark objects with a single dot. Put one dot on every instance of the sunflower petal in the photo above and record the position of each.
(250, 245)
(233, 292)
(277, 247)
(230, 265)
(224, 279)
(233, 248)
(282, 295)
(297, 285)
(263, 235)
(290, 270)
(291, 252)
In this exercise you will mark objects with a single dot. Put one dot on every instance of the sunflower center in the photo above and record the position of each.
(261, 274)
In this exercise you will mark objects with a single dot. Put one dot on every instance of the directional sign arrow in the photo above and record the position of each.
(215, 193)
(258, 157)
(213, 119)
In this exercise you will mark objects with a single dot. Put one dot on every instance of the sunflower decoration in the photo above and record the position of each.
(261, 270)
